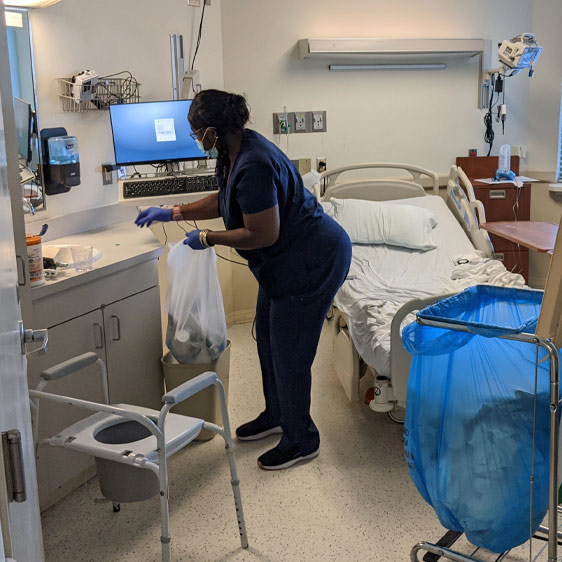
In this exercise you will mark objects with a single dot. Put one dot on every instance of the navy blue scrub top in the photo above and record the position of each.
(309, 240)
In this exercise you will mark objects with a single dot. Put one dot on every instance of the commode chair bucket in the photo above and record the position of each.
(110, 439)
(132, 444)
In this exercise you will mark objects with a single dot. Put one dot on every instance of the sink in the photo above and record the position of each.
(62, 253)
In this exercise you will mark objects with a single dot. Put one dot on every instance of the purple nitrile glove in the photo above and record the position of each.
(152, 214)
(193, 241)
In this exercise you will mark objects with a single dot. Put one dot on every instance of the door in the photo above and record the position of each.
(133, 344)
(20, 522)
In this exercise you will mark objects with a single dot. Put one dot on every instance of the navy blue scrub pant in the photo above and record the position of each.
(288, 330)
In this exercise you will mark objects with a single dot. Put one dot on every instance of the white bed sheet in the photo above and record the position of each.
(383, 278)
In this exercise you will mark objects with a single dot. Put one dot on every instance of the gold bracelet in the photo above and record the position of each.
(203, 238)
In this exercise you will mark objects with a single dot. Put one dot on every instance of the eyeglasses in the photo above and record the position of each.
(195, 134)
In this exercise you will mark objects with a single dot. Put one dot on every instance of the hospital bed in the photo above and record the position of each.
(386, 285)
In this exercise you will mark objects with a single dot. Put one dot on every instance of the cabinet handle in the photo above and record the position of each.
(23, 283)
(118, 325)
(100, 334)
(497, 193)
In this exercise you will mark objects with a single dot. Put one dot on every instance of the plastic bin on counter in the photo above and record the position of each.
(205, 404)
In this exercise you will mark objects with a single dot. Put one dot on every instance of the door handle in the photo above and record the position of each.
(33, 336)
(100, 334)
(118, 326)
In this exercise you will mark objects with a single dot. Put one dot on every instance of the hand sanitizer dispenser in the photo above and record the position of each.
(61, 160)
(64, 160)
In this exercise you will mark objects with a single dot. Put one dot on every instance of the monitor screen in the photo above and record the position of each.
(152, 132)
(24, 128)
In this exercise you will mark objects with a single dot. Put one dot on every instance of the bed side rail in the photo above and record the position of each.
(468, 210)
(330, 177)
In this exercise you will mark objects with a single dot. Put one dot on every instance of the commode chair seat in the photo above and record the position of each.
(132, 444)
(84, 436)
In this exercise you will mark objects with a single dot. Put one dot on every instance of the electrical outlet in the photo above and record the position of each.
(281, 124)
(300, 122)
(195, 3)
(320, 164)
(519, 150)
(319, 121)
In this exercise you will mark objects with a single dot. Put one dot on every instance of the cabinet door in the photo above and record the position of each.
(133, 334)
(59, 470)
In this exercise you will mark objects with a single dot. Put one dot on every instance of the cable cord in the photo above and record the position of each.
(121, 92)
(199, 35)
(488, 120)
(218, 255)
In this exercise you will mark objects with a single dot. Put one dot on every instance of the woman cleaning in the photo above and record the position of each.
(298, 254)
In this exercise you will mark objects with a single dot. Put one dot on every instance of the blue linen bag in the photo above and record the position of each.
(469, 416)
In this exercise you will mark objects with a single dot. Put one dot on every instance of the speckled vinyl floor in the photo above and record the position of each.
(354, 502)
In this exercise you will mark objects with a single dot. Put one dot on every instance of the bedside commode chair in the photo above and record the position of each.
(132, 444)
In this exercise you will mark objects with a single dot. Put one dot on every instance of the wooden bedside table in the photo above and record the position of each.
(535, 235)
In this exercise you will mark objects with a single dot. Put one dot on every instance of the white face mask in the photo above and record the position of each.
(212, 152)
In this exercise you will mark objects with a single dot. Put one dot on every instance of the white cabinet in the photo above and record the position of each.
(118, 317)
(133, 357)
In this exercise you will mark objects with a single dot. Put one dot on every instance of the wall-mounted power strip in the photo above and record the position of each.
(299, 122)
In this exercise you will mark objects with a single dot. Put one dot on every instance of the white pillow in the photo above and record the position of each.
(373, 222)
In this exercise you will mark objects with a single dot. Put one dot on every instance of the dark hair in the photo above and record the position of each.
(227, 113)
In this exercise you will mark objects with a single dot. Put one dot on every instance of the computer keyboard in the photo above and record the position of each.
(168, 185)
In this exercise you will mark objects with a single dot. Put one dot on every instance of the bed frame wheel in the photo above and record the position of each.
(116, 507)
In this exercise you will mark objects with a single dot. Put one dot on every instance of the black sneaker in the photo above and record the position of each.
(275, 459)
(256, 429)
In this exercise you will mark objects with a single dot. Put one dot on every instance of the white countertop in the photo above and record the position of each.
(123, 245)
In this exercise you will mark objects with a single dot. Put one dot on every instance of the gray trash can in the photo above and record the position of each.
(204, 404)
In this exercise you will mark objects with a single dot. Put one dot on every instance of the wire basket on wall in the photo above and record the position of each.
(107, 91)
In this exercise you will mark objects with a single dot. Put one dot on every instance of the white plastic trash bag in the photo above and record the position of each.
(196, 323)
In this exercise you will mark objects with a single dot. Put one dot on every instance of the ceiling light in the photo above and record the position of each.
(30, 3)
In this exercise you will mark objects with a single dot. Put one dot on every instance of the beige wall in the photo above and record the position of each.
(544, 118)
(544, 100)
(421, 117)
(110, 36)
(545, 206)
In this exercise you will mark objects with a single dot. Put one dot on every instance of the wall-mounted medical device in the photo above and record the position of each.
(84, 86)
(61, 160)
(519, 53)
(515, 54)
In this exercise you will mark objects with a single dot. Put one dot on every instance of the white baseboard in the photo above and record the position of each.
(240, 316)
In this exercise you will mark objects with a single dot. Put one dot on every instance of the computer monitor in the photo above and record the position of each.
(24, 128)
(152, 132)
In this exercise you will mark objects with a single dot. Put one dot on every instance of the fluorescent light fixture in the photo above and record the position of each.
(30, 3)
(344, 67)
(14, 19)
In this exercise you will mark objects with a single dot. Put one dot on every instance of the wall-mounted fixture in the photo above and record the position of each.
(419, 66)
(398, 54)
(30, 3)
(61, 160)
